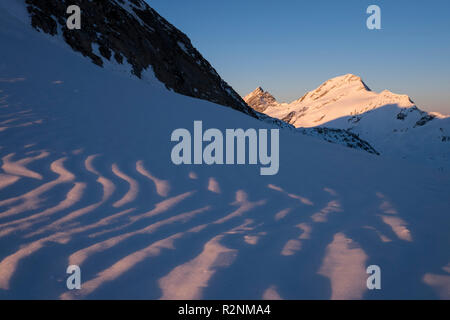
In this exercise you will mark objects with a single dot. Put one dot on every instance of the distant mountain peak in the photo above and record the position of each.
(346, 80)
(341, 96)
(350, 77)
(258, 91)
(390, 123)
(260, 100)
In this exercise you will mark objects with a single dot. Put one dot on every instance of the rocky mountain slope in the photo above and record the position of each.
(260, 100)
(131, 32)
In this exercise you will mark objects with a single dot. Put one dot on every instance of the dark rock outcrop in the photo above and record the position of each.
(424, 120)
(289, 117)
(339, 136)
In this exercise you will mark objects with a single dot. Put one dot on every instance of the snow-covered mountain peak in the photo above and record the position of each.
(345, 79)
(391, 123)
(342, 96)
(347, 83)
(259, 91)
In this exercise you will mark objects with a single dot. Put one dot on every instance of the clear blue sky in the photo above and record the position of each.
(291, 46)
